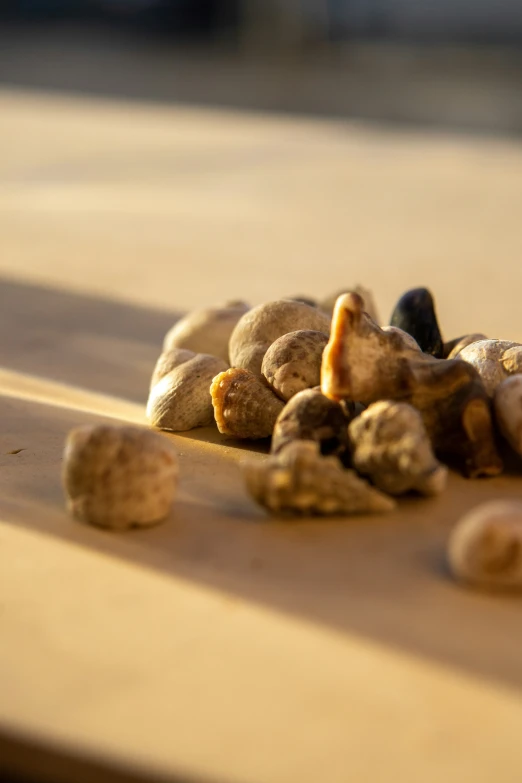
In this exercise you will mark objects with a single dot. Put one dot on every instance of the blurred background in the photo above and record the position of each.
(175, 153)
(451, 63)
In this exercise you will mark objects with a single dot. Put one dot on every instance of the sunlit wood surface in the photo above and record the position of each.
(222, 646)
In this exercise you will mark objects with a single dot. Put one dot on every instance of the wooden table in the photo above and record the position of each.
(222, 646)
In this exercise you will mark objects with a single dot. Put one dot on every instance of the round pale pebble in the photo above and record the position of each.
(454, 347)
(263, 325)
(293, 362)
(494, 360)
(485, 547)
(119, 477)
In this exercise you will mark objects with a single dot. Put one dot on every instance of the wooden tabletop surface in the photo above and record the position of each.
(222, 646)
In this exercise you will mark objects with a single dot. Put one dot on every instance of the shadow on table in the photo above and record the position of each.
(88, 342)
(380, 577)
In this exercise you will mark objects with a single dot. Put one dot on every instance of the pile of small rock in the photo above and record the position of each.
(357, 415)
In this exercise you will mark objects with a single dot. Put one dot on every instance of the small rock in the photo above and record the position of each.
(454, 347)
(415, 314)
(312, 416)
(293, 362)
(507, 404)
(494, 360)
(181, 400)
(299, 480)
(260, 327)
(119, 477)
(390, 445)
(244, 406)
(485, 547)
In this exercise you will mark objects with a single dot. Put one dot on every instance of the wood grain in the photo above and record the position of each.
(222, 645)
